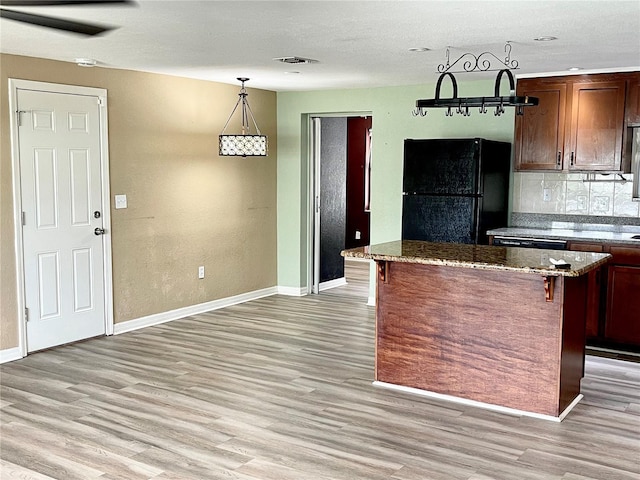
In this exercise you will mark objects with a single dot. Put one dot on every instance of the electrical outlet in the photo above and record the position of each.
(601, 204)
(582, 202)
(546, 195)
(201, 271)
(358, 235)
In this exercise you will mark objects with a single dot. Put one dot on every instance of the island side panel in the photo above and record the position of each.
(573, 339)
(482, 335)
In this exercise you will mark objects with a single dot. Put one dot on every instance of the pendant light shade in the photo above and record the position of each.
(244, 144)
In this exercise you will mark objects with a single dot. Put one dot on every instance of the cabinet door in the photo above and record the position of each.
(595, 126)
(632, 117)
(623, 305)
(632, 113)
(540, 131)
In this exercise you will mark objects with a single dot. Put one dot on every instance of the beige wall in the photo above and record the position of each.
(186, 206)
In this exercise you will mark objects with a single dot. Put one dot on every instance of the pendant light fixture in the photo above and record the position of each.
(245, 144)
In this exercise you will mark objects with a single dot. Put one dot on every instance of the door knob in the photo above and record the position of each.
(99, 231)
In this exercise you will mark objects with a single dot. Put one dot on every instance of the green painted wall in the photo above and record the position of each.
(391, 108)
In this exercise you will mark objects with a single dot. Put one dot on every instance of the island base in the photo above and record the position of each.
(492, 337)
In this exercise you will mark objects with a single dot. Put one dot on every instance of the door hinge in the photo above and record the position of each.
(26, 314)
(19, 114)
(102, 101)
(24, 219)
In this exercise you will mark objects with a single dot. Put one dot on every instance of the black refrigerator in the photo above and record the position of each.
(454, 190)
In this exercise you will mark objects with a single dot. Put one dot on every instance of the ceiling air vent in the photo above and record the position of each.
(295, 60)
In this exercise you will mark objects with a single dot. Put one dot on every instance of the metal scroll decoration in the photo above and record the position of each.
(462, 105)
(481, 62)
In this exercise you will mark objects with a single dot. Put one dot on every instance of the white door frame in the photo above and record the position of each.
(101, 95)
(313, 193)
(315, 142)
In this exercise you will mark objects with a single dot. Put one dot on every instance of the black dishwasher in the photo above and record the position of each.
(530, 243)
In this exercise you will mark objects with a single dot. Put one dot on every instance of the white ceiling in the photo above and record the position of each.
(357, 43)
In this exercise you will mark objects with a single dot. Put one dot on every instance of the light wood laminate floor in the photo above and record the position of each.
(280, 388)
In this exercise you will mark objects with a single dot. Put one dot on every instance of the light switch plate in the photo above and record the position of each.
(121, 201)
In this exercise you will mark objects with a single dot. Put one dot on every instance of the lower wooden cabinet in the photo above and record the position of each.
(622, 321)
(613, 305)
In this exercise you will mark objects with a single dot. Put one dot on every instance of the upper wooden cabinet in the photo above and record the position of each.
(540, 131)
(633, 99)
(578, 124)
(595, 128)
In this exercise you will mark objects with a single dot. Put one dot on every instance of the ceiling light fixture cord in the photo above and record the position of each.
(242, 99)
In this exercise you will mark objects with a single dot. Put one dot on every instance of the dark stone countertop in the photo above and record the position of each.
(484, 257)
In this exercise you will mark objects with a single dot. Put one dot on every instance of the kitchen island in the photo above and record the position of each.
(489, 326)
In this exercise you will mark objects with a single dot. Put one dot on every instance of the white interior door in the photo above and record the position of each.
(61, 196)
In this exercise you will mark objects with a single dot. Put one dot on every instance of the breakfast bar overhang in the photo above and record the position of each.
(496, 327)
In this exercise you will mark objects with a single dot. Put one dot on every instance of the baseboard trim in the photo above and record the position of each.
(338, 282)
(10, 354)
(612, 351)
(293, 291)
(158, 318)
(474, 403)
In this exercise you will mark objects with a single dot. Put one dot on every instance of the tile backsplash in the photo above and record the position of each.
(570, 194)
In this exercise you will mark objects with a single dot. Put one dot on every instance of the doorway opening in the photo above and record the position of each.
(339, 193)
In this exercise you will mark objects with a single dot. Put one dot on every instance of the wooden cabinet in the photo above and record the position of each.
(632, 108)
(586, 247)
(622, 320)
(594, 140)
(540, 130)
(632, 117)
(578, 124)
(613, 304)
